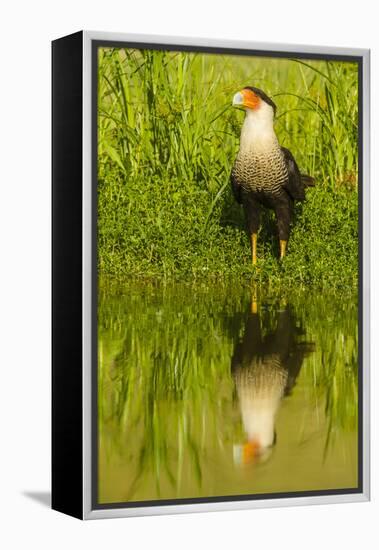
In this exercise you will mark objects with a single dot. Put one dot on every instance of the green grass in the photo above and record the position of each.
(167, 139)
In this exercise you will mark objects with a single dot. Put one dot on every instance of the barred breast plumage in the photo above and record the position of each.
(264, 376)
(264, 171)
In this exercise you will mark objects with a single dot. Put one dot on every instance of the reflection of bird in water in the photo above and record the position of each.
(265, 365)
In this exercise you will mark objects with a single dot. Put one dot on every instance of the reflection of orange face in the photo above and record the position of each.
(250, 99)
(250, 451)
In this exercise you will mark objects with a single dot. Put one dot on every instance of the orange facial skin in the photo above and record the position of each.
(250, 452)
(250, 99)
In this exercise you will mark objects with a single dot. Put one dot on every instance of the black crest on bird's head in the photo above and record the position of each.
(263, 96)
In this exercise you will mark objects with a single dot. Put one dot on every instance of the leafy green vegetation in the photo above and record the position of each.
(167, 139)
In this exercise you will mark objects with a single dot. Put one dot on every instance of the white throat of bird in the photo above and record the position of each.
(258, 134)
(259, 422)
(259, 410)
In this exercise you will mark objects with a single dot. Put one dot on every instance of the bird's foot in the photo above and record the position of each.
(283, 247)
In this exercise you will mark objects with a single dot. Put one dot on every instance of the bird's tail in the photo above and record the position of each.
(308, 181)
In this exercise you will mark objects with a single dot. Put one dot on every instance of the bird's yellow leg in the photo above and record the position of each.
(254, 248)
(283, 246)
(254, 300)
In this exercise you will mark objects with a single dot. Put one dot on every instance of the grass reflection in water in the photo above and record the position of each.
(204, 391)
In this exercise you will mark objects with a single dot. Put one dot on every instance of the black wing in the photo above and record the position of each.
(294, 186)
(236, 187)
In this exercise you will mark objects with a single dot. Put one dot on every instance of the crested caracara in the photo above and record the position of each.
(264, 173)
(265, 366)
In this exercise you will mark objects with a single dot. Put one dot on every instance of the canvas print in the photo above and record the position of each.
(228, 197)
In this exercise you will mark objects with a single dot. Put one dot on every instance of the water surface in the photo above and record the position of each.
(225, 390)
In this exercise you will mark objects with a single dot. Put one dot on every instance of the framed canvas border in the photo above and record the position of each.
(67, 257)
(91, 510)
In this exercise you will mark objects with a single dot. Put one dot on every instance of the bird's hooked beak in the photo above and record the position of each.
(238, 100)
(246, 99)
